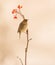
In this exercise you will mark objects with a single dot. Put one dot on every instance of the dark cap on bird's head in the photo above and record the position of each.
(25, 20)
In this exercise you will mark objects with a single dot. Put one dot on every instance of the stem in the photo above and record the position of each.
(21, 14)
(26, 49)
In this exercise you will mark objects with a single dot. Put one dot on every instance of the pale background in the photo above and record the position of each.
(41, 15)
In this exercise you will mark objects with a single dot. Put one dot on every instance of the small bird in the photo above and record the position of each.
(22, 27)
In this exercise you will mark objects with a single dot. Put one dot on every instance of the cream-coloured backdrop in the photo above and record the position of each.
(41, 15)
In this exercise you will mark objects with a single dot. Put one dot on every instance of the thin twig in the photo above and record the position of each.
(20, 61)
(29, 39)
(21, 14)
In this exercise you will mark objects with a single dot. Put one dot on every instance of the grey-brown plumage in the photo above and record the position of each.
(22, 27)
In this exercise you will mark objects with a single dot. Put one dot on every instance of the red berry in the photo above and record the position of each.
(15, 17)
(19, 6)
(14, 11)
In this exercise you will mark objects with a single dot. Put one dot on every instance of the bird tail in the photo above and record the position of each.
(19, 35)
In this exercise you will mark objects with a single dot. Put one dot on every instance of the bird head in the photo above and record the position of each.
(25, 20)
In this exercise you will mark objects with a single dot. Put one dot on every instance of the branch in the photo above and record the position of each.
(26, 49)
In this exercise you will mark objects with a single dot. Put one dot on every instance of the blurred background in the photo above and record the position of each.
(41, 15)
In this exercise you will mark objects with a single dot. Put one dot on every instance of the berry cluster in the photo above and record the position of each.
(15, 11)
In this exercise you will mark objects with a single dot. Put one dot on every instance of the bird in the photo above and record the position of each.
(22, 27)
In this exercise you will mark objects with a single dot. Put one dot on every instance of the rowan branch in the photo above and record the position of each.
(26, 49)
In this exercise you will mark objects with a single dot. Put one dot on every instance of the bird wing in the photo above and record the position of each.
(20, 27)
